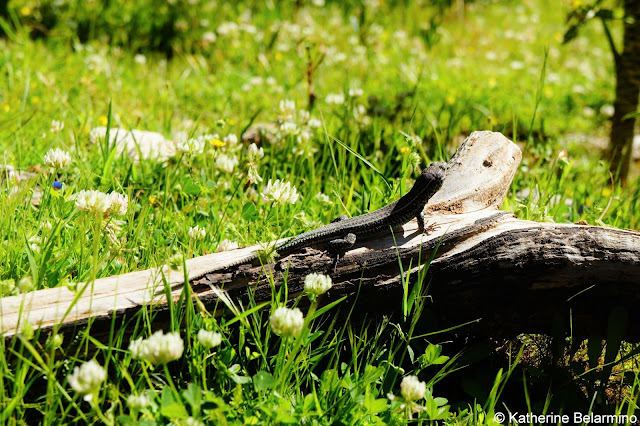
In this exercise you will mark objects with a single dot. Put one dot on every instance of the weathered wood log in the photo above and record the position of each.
(511, 275)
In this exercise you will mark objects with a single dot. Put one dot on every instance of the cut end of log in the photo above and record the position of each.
(479, 174)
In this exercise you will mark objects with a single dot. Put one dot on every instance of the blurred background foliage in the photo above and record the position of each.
(415, 77)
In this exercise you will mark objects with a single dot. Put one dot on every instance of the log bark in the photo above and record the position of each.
(508, 276)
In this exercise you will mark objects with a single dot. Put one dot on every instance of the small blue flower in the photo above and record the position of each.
(57, 185)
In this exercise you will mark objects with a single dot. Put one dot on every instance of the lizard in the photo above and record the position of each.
(342, 232)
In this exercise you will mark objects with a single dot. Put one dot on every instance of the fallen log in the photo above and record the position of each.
(509, 276)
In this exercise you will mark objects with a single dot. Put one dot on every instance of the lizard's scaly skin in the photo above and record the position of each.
(369, 224)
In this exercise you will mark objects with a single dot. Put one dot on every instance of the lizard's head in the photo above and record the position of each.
(434, 172)
(429, 181)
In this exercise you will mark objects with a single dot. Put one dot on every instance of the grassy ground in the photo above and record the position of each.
(399, 86)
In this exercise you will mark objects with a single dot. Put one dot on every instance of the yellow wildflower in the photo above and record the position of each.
(217, 143)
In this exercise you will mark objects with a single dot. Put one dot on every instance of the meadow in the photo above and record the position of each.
(345, 104)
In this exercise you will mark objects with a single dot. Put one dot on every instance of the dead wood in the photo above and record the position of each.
(512, 276)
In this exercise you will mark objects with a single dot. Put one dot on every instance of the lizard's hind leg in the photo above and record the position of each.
(340, 245)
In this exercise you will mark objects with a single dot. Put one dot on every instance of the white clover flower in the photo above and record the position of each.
(314, 123)
(280, 192)
(226, 245)
(227, 28)
(192, 421)
(93, 201)
(323, 198)
(226, 163)
(209, 37)
(304, 136)
(158, 349)
(607, 110)
(191, 146)
(112, 229)
(181, 25)
(248, 28)
(317, 284)
(287, 109)
(360, 114)
(119, 203)
(413, 140)
(87, 379)
(178, 135)
(304, 115)
(140, 59)
(97, 134)
(289, 128)
(412, 389)
(35, 239)
(588, 112)
(231, 139)
(139, 402)
(355, 92)
(578, 89)
(57, 126)
(491, 56)
(335, 99)
(287, 322)
(96, 62)
(271, 81)
(197, 233)
(254, 153)
(209, 339)
(57, 158)
(253, 175)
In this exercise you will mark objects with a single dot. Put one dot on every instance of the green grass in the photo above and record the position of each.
(425, 85)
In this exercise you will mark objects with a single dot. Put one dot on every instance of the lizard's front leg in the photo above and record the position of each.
(421, 224)
(339, 246)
